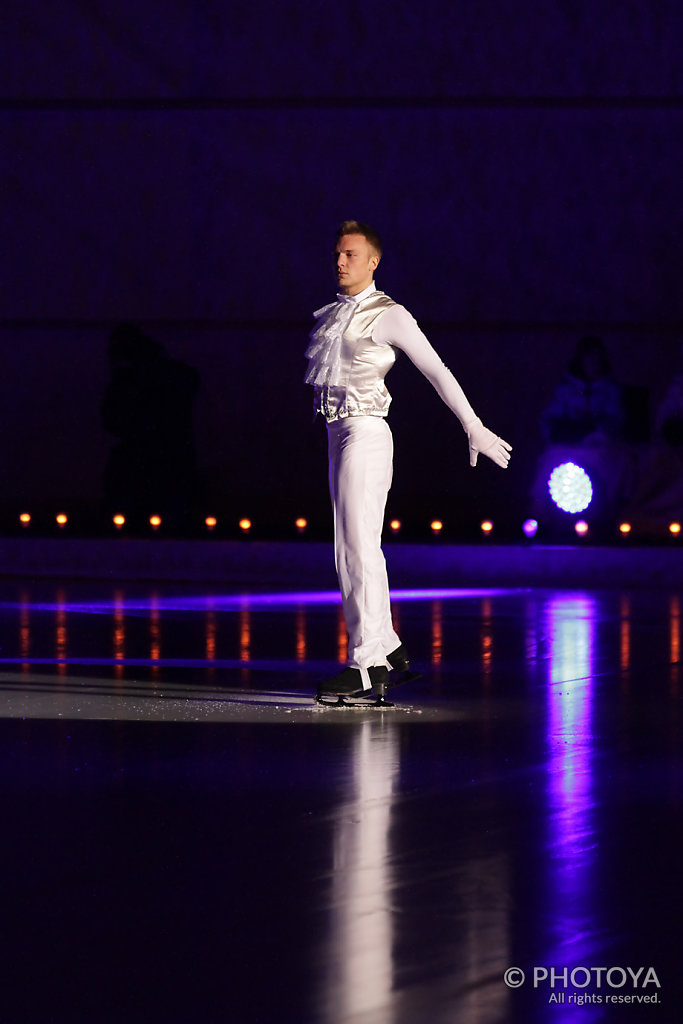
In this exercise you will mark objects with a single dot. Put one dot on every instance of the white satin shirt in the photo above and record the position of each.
(376, 328)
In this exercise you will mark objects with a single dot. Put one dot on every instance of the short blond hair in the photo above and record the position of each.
(357, 227)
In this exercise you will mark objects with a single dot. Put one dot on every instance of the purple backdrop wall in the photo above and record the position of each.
(183, 166)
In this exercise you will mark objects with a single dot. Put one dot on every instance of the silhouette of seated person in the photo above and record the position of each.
(588, 401)
(585, 422)
(659, 496)
(148, 406)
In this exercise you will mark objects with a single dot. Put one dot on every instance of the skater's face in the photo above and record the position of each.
(356, 262)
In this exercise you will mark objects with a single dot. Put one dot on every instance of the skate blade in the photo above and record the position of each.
(367, 703)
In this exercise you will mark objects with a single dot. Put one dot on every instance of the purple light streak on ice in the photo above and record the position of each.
(570, 626)
(253, 602)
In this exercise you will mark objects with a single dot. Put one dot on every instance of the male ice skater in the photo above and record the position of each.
(351, 350)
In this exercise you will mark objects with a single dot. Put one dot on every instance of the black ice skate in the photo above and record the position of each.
(400, 663)
(339, 691)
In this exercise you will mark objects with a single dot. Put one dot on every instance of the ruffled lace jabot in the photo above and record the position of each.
(324, 350)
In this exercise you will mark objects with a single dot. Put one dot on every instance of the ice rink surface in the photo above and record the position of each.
(188, 837)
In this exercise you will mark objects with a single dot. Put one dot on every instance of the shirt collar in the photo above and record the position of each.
(372, 287)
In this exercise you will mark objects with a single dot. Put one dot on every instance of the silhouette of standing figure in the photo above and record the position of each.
(148, 406)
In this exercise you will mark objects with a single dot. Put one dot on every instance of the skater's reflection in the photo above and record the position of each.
(362, 933)
(376, 927)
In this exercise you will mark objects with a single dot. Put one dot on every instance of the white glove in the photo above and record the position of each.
(483, 440)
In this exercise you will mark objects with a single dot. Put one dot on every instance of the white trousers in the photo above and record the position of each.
(361, 450)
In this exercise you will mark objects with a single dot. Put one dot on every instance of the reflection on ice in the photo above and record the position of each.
(362, 931)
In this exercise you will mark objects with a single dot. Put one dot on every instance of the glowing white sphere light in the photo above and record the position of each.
(570, 487)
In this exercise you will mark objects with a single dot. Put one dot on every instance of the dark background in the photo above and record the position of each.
(183, 165)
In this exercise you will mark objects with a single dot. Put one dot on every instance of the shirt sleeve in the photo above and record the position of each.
(398, 328)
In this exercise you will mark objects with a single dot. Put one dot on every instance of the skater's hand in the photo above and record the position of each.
(483, 440)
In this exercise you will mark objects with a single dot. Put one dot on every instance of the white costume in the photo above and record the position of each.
(352, 348)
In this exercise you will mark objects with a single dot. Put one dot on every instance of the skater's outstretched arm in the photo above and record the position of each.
(398, 328)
